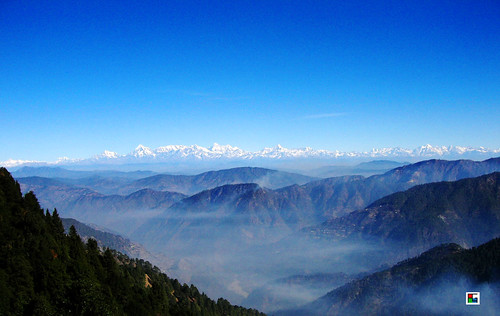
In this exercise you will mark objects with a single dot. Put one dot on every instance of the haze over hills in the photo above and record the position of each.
(239, 217)
(327, 198)
(194, 153)
(119, 212)
(364, 169)
(54, 193)
(433, 283)
(254, 211)
(268, 178)
(139, 199)
(340, 195)
(295, 290)
(58, 172)
(230, 215)
(123, 183)
(290, 207)
(106, 239)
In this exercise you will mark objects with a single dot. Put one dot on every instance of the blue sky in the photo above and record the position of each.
(77, 78)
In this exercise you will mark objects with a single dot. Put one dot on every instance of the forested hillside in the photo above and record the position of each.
(44, 271)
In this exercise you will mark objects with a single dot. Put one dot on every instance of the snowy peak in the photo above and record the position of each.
(223, 148)
(217, 151)
(431, 150)
(193, 153)
(107, 155)
(143, 151)
(227, 151)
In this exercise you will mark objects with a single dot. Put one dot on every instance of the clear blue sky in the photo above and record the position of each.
(78, 77)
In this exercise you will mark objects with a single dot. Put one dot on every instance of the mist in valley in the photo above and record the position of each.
(234, 258)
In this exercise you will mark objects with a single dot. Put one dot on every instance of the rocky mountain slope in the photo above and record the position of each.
(466, 212)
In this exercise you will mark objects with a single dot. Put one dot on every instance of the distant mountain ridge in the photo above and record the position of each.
(268, 178)
(89, 206)
(124, 183)
(139, 200)
(176, 153)
(243, 217)
(337, 196)
(365, 169)
(58, 172)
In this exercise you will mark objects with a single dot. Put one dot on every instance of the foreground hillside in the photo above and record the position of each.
(433, 283)
(43, 271)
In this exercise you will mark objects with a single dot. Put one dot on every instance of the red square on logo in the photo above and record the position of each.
(470, 295)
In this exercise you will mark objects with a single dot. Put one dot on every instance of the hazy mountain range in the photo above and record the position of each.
(182, 153)
(326, 197)
(240, 232)
(151, 210)
(259, 210)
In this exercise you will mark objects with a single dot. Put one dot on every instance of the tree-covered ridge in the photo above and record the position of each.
(44, 271)
(440, 276)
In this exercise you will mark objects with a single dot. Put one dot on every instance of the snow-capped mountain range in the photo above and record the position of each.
(175, 153)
